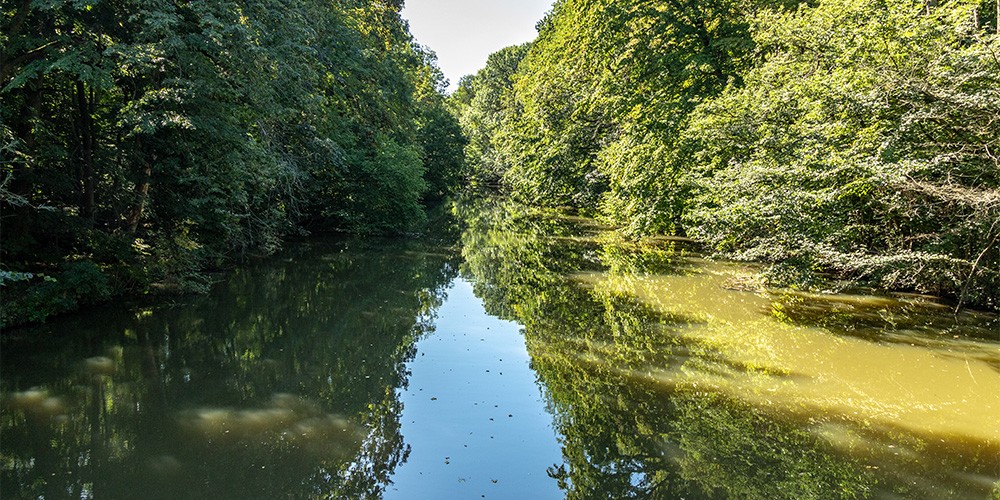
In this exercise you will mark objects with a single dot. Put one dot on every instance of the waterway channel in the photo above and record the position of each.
(512, 353)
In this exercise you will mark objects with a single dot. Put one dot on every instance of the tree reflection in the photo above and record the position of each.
(589, 350)
(631, 389)
(282, 382)
(285, 380)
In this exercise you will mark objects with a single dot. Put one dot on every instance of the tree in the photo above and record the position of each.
(158, 139)
(862, 147)
(600, 99)
(486, 108)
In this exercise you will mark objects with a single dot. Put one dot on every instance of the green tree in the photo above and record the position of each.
(439, 133)
(558, 120)
(863, 146)
(602, 96)
(157, 139)
(486, 105)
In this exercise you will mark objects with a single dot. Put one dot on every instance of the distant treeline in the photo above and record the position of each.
(143, 142)
(843, 142)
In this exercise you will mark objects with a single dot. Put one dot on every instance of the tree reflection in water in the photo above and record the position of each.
(634, 343)
(662, 380)
(280, 383)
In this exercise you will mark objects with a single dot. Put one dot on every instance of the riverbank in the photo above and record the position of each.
(30, 298)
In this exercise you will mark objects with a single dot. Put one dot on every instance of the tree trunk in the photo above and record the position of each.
(142, 193)
(23, 130)
(85, 121)
(19, 217)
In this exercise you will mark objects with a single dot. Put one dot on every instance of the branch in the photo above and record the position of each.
(975, 266)
(32, 55)
(980, 198)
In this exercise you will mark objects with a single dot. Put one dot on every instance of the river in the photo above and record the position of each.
(513, 353)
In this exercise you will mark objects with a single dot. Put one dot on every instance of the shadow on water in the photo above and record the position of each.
(279, 383)
(666, 383)
(888, 319)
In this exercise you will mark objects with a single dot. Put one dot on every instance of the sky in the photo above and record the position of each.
(464, 33)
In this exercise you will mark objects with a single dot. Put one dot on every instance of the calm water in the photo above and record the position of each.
(518, 354)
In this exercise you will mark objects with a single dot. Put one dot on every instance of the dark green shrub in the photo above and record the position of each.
(33, 298)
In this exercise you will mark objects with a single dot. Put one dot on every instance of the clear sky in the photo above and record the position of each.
(464, 33)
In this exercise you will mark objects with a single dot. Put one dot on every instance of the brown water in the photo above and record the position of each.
(516, 354)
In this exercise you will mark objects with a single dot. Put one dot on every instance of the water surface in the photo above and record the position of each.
(473, 414)
(526, 355)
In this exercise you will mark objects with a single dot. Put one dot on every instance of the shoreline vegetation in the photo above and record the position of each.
(147, 143)
(833, 141)
(841, 144)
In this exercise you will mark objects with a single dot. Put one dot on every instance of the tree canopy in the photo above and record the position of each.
(146, 141)
(846, 139)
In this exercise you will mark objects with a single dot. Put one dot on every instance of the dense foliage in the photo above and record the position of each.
(157, 139)
(865, 145)
(854, 139)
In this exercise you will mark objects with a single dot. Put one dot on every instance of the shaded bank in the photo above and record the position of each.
(147, 143)
(282, 380)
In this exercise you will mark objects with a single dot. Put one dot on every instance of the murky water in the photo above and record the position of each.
(526, 355)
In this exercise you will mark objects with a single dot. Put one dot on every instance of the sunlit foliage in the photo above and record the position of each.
(853, 139)
(864, 145)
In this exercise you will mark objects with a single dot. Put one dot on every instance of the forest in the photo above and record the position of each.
(842, 144)
(147, 143)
